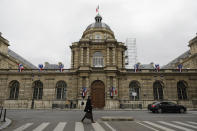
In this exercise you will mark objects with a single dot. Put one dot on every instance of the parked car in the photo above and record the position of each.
(166, 107)
(150, 105)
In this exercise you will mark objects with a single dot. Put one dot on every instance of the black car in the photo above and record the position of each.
(166, 107)
(150, 106)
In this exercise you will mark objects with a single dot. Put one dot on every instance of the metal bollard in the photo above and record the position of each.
(4, 115)
(1, 112)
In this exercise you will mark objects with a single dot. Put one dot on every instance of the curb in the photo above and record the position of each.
(5, 124)
(117, 118)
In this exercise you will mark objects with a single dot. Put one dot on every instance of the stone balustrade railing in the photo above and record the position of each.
(99, 69)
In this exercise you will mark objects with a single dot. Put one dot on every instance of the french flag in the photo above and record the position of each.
(84, 91)
(61, 66)
(112, 91)
(136, 67)
(97, 9)
(40, 66)
(20, 67)
(180, 66)
(157, 67)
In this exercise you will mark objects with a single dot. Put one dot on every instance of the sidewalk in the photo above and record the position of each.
(5, 124)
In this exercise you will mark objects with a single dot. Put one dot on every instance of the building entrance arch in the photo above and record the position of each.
(98, 94)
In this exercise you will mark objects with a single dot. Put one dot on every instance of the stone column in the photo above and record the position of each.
(80, 87)
(114, 56)
(88, 57)
(123, 59)
(76, 58)
(114, 84)
(108, 87)
(72, 64)
(107, 55)
(81, 56)
(88, 87)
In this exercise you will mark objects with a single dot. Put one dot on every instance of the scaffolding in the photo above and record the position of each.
(131, 53)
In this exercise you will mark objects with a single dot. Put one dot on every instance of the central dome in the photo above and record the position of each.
(98, 30)
(98, 24)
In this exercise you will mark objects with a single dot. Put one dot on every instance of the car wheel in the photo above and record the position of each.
(153, 111)
(181, 110)
(159, 110)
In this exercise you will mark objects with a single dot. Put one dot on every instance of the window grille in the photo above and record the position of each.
(61, 90)
(134, 90)
(14, 90)
(38, 90)
(181, 90)
(158, 91)
(98, 59)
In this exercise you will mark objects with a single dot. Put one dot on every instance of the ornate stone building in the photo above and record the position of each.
(97, 69)
(187, 59)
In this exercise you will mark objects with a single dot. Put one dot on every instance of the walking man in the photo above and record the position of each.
(88, 110)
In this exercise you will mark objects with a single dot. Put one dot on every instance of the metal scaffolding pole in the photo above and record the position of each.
(131, 53)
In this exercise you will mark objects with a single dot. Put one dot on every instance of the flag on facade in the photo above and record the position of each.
(136, 67)
(40, 66)
(97, 9)
(84, 92)
(180, 66)
(113, 91)
(61, 66)
(157, 67)
(20, 67)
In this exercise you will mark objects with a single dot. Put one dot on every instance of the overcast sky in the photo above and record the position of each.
(43, 30)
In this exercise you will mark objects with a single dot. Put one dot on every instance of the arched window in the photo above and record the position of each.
(181, 90)
(134, 88)
(61, 90)
(38, 90)
(98, 59)
(14, 89)
(158, 90)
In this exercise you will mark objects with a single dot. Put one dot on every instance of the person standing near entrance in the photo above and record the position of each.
(88, 110)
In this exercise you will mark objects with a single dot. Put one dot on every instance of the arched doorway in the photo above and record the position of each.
(98, 94)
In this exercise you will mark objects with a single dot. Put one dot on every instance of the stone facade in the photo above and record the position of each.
(187, 59)
(191, 61)
(96, 58)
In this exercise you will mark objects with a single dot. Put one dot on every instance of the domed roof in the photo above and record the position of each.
(98, 24)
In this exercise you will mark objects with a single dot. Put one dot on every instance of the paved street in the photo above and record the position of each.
(60, 120)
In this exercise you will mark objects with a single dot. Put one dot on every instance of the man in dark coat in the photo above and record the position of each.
(88, 110)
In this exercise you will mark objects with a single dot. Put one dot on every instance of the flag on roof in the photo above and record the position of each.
(136, 67)
(40, 66)
(20, 67)
(97, 9)
(61, 66)
(157, 67)
(180, 66)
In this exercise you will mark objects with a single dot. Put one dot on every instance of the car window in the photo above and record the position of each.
(171, 103)
(155, 103)
(164, 103)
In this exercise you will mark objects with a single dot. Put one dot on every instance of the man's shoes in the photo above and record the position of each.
(93, 122)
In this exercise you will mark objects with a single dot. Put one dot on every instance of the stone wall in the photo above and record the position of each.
(74, 84)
